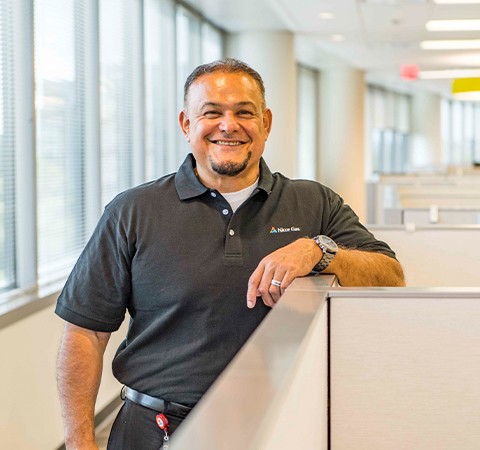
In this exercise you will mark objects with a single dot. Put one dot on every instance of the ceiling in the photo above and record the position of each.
(378, 35)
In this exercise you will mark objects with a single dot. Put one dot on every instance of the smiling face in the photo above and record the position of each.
(227, 125)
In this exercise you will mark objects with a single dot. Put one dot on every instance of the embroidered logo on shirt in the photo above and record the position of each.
(284, 230)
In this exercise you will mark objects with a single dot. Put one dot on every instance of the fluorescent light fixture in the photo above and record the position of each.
(325, 15)
(448, 74)
(457, 2)
(454, 44)
(453, 25)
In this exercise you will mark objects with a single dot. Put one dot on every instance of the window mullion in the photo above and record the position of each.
(93, 172)
(26, 210)
(138, 90)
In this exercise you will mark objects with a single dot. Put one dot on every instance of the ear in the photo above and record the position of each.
(267, 121)
(184, 124)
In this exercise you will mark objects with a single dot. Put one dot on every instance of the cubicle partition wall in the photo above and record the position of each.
(350, 369)
(434, 199)
(405, 370)
(435, 255)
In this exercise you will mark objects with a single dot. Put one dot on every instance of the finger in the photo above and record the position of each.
(253, 283)
(270, 292)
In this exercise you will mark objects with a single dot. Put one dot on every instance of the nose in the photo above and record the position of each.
(229, 123)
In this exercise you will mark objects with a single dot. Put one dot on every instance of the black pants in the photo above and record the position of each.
(135, 428)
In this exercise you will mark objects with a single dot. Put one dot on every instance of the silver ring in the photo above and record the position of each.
(277, 283)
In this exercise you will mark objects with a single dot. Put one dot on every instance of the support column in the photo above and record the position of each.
(426, 148)
(272, 55)
(341, 161)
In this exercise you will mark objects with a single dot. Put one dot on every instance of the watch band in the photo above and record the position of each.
(329, 250)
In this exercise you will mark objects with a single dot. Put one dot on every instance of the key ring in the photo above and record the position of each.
(162, 423)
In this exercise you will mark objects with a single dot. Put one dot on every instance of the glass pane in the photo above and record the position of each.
(188, 57)
(60, 135)
(160, 98)
(116, 90)
(307, 123)
(212, 43)
(476, 121)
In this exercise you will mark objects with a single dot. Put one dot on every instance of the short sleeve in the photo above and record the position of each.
(97, 291)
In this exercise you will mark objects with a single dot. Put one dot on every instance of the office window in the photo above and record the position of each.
(307, 122)
(116, 98)
(461, 132)
(60, 134)
(476, 135)
(160, 88)
(7, 147)
(188, 57)
(212, 43)
(388, 129)
(97, 114)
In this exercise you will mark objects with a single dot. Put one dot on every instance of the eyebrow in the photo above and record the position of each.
(218, 105)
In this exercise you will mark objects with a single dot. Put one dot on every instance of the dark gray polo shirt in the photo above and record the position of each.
(172, 252)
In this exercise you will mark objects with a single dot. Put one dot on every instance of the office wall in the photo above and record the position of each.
(30, 417)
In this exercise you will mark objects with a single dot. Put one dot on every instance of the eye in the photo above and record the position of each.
(211, 114)
(245, 113)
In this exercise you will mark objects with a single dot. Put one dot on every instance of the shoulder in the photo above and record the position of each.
(146, 195)
(308, 189)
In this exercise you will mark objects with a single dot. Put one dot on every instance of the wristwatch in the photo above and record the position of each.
(329, 249)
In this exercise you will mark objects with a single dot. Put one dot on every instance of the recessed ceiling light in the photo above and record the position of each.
(448, 74)
(325, 15)
(338, 37)
(454, 44)
(457, 2)
(453, 25)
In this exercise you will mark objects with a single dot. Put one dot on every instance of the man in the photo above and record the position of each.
(198, 258)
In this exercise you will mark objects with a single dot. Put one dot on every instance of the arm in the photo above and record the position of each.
(79, 370)
(360, 268)
(352, 268)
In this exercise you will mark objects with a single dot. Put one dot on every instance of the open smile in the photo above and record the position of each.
(227, 143)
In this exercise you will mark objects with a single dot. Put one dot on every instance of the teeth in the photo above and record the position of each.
(232, 143)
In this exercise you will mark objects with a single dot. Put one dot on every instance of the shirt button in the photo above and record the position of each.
(225, 212)
(213, 194)
(231, 232)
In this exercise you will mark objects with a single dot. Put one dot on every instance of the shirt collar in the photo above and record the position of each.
(189, 186)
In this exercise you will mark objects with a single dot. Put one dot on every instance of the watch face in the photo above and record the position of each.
(329, 244)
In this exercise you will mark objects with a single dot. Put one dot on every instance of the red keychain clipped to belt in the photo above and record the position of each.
(162, 423)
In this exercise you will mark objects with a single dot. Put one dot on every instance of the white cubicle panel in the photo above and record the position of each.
(350, 369)
(440, 215)
(435, 256)
(274, 394)
(405, 371)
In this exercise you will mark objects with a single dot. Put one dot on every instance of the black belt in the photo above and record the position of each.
(157, 404)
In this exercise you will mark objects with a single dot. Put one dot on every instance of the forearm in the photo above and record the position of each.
(361, 268)
(80, 363)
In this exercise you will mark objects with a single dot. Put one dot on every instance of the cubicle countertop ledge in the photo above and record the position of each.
(405, 292)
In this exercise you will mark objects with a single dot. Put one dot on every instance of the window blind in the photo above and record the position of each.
(116, 102)
(188, 57)
(160, 88)
(60, 134)
(7, 147)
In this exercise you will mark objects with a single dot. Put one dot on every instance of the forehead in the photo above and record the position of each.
(221, 87)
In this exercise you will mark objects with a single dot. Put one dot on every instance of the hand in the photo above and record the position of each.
(284, 265)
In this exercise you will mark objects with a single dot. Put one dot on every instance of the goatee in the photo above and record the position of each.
(229, 168)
